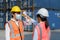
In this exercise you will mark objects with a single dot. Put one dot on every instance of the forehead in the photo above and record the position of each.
(16, 12)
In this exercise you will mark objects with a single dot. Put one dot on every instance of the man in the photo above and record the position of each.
(14, 27)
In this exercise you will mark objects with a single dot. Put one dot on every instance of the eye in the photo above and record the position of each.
(18, 12)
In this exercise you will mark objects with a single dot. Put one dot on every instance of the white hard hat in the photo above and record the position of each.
(43, 12)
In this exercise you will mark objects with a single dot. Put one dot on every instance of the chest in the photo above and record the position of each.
(16, 27)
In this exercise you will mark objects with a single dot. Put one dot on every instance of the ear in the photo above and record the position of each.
(13, 14)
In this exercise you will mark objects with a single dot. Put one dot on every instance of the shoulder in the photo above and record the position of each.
(48, 28)
(36, 28)
(6, 23)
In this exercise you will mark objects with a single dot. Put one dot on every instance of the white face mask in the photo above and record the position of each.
(18, 16)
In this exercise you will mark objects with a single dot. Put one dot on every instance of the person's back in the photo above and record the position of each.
(42, 30)
(45, 32)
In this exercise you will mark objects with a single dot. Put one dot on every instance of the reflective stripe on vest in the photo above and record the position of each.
(40, 32)
(49, 33)
(12, 32)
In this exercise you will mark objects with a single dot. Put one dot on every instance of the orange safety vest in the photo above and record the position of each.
(43, 33)
(16, 32)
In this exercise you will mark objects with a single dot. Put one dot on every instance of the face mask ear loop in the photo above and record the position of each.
(18, 16)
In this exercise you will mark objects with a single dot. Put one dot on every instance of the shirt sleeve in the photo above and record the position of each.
(35, 37)
(34, 21)
(7, 32)
(29, 22)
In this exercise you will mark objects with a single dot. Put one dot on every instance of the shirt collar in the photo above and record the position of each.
(14, 21)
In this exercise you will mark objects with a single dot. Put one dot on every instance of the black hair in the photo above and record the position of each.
(14, 13)
(43, 19)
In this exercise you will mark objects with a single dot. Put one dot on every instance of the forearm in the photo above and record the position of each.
(29, 19)
(27, 23)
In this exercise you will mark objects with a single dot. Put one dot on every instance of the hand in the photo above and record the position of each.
(25, 15)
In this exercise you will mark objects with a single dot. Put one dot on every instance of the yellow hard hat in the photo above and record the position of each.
(15, 9)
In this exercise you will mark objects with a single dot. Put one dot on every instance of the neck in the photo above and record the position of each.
(15, 19)
(40, 21)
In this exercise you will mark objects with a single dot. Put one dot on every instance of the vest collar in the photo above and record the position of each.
(15, 21)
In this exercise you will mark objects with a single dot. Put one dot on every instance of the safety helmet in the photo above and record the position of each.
(15, 9)
(43, 12)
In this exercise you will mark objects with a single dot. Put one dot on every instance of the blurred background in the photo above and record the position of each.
(32, 6)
